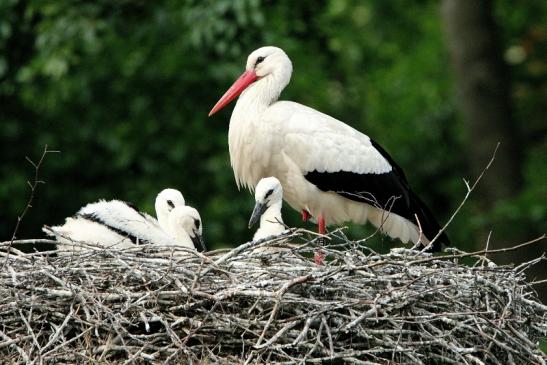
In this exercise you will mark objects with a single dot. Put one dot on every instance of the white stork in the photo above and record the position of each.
(120, 224)
(167, 200)
(184, 225)
(268, 202)
(113, 223)
(327, 168)
(78, 230)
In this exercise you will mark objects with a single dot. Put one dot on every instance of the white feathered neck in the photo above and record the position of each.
(249, 143)
(271, 222)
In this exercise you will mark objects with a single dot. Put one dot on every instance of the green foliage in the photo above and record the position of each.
(123, 90)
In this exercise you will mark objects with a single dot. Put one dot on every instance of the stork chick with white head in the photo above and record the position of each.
(268, 202)
(116, 223)
(327, 168)
(184, 225)
(166, 201)
(113, 223)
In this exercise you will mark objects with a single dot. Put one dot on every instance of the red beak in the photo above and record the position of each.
(247, 78)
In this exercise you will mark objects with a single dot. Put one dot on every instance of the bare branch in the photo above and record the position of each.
(468, 193)
(33, 186)
(163, 305)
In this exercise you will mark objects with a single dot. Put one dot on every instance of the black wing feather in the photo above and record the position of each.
(389, 191)
(94, 218)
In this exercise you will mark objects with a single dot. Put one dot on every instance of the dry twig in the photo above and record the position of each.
(147, 305)
(33, 186)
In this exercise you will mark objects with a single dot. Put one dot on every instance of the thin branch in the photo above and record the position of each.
(163, 305)
(480, 252)
(33, 186)
(469, 190)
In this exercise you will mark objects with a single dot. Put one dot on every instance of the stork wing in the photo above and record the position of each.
(336, 157)
(316, 141)
(126, 220)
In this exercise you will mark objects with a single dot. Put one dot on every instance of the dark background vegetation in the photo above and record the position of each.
(123, 88)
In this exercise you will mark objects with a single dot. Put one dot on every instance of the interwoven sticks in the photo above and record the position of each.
(252, 305)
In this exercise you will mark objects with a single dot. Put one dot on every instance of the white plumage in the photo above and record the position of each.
(167, 200)
(185, 226)
(326, 167)
(77, 230)
(268, 202)
(118, 224)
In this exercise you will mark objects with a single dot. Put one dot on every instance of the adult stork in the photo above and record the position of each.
(327, 168)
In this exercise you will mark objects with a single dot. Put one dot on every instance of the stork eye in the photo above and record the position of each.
(268, 194)
(171, 204)
(259, 60)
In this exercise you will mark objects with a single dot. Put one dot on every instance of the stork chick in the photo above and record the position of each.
(113, 223)
(166, 201)
(184, 225)
(119, 224)
(268, 202)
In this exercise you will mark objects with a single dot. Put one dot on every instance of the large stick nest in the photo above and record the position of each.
(251, 305)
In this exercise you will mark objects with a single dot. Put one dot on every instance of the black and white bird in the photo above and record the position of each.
(184, 225)
(119, 224)
(327, 168)
(111, 223)
(268, 202)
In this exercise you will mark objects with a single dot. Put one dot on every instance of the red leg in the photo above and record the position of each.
(321, 224)
(319, 255)
(305, 215)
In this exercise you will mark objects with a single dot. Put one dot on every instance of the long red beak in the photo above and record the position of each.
(247, 78)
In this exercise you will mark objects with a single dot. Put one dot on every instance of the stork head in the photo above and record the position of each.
(188, 220)
(166, 201)
(268, 192)
(266, 63)
(269, 60)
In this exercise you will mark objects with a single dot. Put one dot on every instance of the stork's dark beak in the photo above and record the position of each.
(198, 242)
(259, 209)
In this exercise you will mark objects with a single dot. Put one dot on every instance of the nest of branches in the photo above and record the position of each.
(261, 304)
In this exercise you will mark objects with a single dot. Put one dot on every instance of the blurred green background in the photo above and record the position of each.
(123, 88)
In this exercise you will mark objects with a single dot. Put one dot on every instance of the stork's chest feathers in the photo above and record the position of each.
(250, 150)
